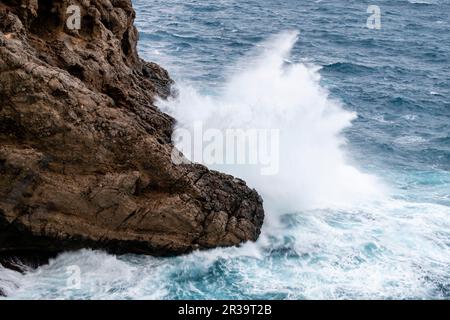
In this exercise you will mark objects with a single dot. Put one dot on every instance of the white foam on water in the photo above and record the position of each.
(268, 93)
(331, 231)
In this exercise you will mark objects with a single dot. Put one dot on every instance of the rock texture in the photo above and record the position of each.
(85, 155)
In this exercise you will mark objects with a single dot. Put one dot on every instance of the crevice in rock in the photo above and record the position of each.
(77, 71)
(48, 20)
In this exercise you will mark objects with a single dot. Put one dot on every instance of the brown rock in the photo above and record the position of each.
(85, 155)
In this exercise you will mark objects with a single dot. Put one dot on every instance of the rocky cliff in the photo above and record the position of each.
(85, 154)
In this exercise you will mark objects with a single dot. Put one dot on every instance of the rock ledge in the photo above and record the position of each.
(85, 155)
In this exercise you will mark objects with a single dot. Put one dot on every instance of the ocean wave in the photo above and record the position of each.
(423, 2)
(395, 246)
(386, 250)
(348, 68)
(268, 93)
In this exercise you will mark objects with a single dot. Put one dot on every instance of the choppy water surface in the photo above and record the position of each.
(361, 206)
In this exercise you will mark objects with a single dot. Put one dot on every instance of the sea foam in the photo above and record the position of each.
(269, 91)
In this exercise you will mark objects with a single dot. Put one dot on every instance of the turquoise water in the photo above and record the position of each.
(361, 206)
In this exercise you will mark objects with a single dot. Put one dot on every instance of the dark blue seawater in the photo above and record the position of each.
(395, 82)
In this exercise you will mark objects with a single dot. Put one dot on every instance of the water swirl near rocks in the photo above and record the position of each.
(360, 208)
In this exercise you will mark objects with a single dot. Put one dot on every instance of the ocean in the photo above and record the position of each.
(360, 206)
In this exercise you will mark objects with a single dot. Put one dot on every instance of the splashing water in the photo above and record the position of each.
(270, 93)
(331, 231)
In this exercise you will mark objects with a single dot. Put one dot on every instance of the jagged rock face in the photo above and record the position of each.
(85, 155)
